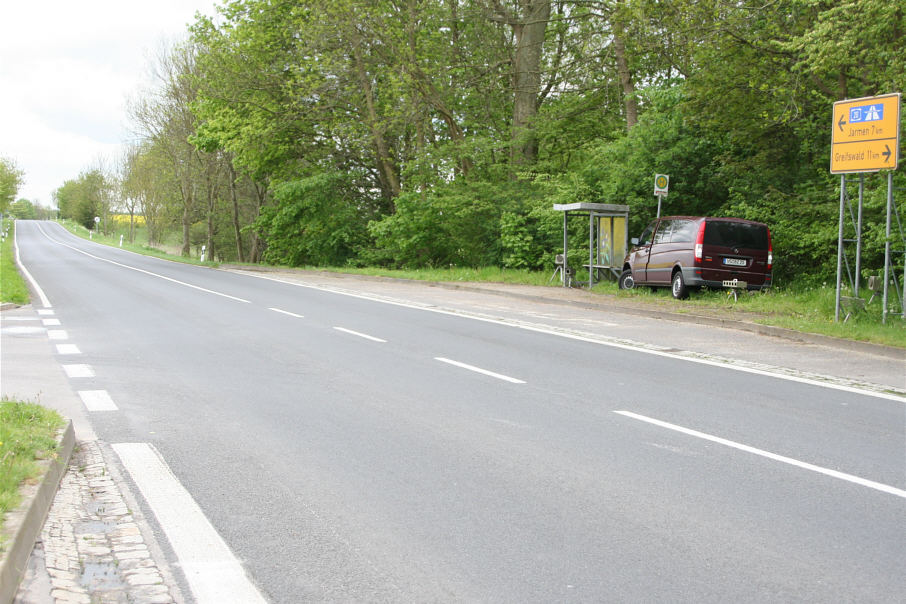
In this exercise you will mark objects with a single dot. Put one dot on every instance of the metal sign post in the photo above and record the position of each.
(661, 184)
(865, 138)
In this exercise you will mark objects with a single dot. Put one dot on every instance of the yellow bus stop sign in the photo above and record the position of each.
(866, 134)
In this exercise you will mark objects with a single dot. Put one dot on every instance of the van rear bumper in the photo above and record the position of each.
(692, 277)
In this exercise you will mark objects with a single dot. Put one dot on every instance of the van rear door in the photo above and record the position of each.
(735, 249)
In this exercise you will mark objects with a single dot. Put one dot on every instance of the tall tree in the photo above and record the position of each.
(164, 116)
(11, 178)
(528, 20)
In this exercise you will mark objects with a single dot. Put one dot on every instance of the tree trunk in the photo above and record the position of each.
(529, 31)
(188, 198)
(430, 93)
(626, 83)
(234, 197)
(261, 194)
(209, 239)
(382, 150)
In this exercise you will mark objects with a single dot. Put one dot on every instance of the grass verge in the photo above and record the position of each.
(12, 286)
(27, 435)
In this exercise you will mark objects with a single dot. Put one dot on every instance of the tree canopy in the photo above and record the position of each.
(11, 178)
(438, 132)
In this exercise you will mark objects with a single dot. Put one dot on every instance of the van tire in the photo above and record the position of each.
(678, 286)
(626, 281)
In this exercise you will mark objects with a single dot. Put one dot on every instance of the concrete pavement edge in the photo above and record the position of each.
(500, 289)
(765, 330)
(31, 515)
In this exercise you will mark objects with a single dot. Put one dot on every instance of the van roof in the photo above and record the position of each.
(720, 218)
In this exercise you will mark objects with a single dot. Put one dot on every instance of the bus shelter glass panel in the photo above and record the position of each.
(611, 240)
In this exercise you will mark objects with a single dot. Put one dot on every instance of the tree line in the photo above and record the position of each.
(440, 132)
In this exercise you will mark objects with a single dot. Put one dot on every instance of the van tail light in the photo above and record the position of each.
(770, 251)
(700, 241)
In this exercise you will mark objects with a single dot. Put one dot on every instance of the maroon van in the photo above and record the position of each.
(685, 252)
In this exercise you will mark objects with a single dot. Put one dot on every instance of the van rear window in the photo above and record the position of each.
(736, 234)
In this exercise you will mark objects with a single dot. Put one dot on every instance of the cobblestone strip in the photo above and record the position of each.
(93, 549)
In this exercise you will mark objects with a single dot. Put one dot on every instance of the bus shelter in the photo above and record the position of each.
(608, 239)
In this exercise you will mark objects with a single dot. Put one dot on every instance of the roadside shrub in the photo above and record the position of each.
(314, 221)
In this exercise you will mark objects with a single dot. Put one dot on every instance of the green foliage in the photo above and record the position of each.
(12, 286)
(315, 221)
(11, 178)
(414, 104)
(24, 210)
(85, 198)
(27, 434)
(457, 224)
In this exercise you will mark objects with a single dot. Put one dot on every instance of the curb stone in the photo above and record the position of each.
(26, 522)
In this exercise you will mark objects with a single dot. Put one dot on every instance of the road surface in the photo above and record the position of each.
(348, 448)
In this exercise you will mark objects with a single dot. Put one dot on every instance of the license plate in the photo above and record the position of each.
(735, 262)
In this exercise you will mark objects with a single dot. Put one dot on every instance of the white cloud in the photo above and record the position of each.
(66, 71)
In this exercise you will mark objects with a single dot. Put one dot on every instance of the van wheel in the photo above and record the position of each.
(680, 291)
(626, 280)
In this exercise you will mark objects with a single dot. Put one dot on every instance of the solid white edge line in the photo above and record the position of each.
(884, 488)
(213, 572)
(499, 376)
(44, 301)
(359, 334)
(141, 270)
(900, 398)
(97, 400)
(286, 312)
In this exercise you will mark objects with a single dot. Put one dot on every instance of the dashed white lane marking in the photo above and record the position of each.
(499, 376)
(212, 571)
(821, 381)
(359, 334)
(45, 312)
(78, 371)
(767, 454)
(50, 322)
(57, 334)
(68, 349)
(286, 312)
(143, 271)
(97, 400)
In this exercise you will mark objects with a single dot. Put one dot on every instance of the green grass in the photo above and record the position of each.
(485, 275)
(12, 287)
(27, 435)
(800, 308)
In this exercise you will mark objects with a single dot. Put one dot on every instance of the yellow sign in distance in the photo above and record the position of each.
(866, 134)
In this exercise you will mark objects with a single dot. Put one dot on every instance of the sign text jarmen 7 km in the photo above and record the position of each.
(866, 134)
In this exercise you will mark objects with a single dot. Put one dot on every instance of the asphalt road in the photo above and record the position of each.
(349, 449)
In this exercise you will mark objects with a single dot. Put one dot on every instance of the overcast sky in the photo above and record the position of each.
(67, 69)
